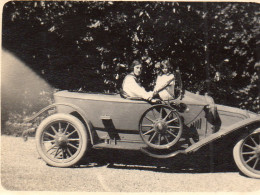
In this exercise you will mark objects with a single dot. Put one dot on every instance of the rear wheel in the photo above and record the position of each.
(247, 155)
(61, 140)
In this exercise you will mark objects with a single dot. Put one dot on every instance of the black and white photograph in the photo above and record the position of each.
(130, 96)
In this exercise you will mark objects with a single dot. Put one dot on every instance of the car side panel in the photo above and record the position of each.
(109, 114)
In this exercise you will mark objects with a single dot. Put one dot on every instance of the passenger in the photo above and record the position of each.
(165, 82)
(131, 87)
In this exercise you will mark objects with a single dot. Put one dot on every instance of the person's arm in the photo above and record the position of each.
(162, 87)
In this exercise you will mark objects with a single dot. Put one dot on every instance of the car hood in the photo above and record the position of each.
(246, 113)
(192, 98)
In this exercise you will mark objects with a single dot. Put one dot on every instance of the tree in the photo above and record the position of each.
(81, 45)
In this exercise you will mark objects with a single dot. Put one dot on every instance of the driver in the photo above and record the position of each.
(165, 82)
(131, 87)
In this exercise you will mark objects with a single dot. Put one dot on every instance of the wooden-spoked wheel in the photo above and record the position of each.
(61, 140)
(247, 155)
(160, 127)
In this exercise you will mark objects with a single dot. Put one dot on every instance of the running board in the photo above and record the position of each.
(162, 156)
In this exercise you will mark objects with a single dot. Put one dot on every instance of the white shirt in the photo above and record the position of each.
(163, 80)
(133, 89)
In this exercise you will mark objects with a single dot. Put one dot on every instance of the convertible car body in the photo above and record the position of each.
(160, 130)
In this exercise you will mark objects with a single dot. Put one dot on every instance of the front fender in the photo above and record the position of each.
(75, 108)
(225, 131)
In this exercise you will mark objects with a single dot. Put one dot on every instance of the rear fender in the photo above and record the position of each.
(223, 132)
(75, 109)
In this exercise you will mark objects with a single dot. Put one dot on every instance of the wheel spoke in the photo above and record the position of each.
(167, 122)
(59, 126)
(68, 150)
(54, 151)
(48, 140)
(72, 146)
(153, 114)
(149, 119)
(161, 113)
(57, 152)
(149, 131)
(66, 154)
(253, 141)
(171, 133)
(53, 146)
(159, 139)
(71, 133)
(73, 139)
(166, 139)
(54, 130)
(152, 137)
(49, 134)
(63, 154)
(174, 127)
(251, 147)
(147, 125)
(253, 152)
(167, 116)
(66, 128)
(255, 163)
(251, 158)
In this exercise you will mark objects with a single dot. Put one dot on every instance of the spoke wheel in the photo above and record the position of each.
(61, 140)
(160, 127)
(247, 155)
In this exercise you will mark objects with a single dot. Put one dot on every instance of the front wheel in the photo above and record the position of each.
(246, 154)
(61, 140)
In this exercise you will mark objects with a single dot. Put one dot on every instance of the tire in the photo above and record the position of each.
(61, 140)
(246, 155)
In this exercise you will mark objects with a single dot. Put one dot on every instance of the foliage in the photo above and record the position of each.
(88, 46)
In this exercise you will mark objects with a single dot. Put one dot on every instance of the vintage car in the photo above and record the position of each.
(160, 130)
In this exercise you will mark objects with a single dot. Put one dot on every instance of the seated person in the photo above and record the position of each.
(165, 82)
(131, 87)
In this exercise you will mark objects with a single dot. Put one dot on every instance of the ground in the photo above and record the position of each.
(112, 171)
